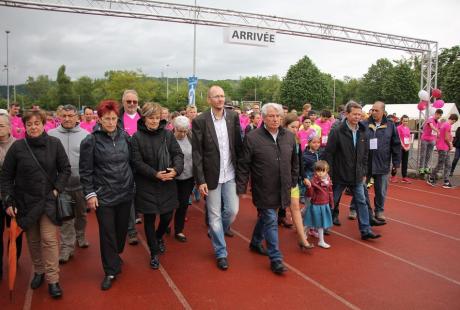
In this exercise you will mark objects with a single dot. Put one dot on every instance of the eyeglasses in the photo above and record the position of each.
(131, 101)
(109, 119)
(217, 97)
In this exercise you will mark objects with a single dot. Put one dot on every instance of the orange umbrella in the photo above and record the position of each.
(15, 231)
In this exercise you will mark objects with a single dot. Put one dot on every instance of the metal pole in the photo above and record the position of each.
(177, 87)
(7, 73)
(194, 43)
(167, 84)
(333, 99)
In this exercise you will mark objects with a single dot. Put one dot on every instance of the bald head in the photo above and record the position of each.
(377, 111)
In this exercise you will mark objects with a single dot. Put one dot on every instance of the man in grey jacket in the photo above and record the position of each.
(71, 135)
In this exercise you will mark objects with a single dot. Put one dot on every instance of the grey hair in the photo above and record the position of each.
(69, 107)
(278, 107)
(6, 118)
(181, 122)
(352, 104)
(129, 91)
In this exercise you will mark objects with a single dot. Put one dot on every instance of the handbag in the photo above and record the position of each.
(64, 202)
(164, 160)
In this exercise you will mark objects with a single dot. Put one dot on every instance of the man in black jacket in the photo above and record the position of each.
(216, 142)
(384, 149)
(347, 154)
(269, 156)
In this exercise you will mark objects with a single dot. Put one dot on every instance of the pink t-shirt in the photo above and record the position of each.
(441, 143)
(404, 135)
(49, 125)
(428, 134)
(304, 136)
(18, 131)
(130, 123)
(325, 128)
(88, 126)
(244, 121)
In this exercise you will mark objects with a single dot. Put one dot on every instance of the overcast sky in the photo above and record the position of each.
(41, 41)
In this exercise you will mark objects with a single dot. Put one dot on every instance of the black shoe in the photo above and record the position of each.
(326, 232)
(168, 230)
(37, 280)
(180, 237)
(107, 282)
(55, 290)
(155, 262)
(229, 233)
(335, 220)
(161, 246)
(376, 222)
(222, 263)
(278, 267)
(258, 248)
(370, 235)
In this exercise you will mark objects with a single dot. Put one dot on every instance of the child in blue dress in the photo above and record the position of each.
(318, 214)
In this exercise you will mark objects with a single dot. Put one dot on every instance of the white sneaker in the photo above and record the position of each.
(324, 245)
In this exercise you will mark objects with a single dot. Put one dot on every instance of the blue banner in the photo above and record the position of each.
(192, 83)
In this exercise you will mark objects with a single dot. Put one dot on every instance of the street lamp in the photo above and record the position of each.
(7, 73)
(167, 84)
(333, 98)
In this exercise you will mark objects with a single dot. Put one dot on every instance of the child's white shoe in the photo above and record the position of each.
(324, 245)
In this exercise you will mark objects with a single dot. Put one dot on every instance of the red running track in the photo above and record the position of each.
(414, 266)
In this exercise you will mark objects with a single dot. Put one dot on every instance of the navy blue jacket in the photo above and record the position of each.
(388, 146)
(309, 159)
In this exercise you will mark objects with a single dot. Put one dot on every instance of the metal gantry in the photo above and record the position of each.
(208, 16)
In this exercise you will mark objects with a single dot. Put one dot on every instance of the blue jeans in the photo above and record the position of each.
(220, 218)
(267, 228)
(380, 190)
(359, 200)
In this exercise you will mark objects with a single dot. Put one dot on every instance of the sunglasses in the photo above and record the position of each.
(131, 101)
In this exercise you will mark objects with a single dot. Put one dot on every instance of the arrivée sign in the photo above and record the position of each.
(249, 36)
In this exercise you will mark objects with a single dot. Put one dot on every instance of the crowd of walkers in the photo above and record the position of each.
(131, 164)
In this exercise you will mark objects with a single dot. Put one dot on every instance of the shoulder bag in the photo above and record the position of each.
(64, 203)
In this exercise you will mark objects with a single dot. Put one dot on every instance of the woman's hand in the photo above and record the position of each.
(92, 203)
(167, 175)
(306, 182)
(11, 211)
(55, 193)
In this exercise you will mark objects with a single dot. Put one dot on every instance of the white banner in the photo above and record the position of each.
(249, 36)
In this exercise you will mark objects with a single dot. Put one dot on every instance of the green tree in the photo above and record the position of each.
(446, 59)
(451, 86)
(41, 91)
(372, 82)
(351, 90)
(400, 85)
(65, 94)
(83, 88)
(304, 82)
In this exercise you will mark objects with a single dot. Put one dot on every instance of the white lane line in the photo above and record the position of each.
(301, 274)
(424, 229)
(432, 272)
(420, 205)
(29, 293)
(418, 227)
(168, 279)
(421, 190)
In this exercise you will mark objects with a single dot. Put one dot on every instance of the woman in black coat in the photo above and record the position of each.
(108, 185)
(156, 190)
(29, 196)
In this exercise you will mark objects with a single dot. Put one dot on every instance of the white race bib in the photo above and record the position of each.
(406, 140)
(324, 139)
(434, 133)
(373, 144)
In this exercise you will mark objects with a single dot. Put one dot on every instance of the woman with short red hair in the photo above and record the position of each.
(108, 184)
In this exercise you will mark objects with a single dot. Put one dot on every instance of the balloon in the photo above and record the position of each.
(422, 105)
(423, 95)
(436, 93)
(438, 104)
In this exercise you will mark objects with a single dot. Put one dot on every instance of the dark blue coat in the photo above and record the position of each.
(388, 146)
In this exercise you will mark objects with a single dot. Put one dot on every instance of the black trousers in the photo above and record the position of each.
(113, 227)
(152, 234)
(184, 190)
(5, 221)
(404, 163)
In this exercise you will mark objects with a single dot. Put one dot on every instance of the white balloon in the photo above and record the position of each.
(423, 95)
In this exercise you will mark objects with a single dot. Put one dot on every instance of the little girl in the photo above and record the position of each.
(318, 214)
